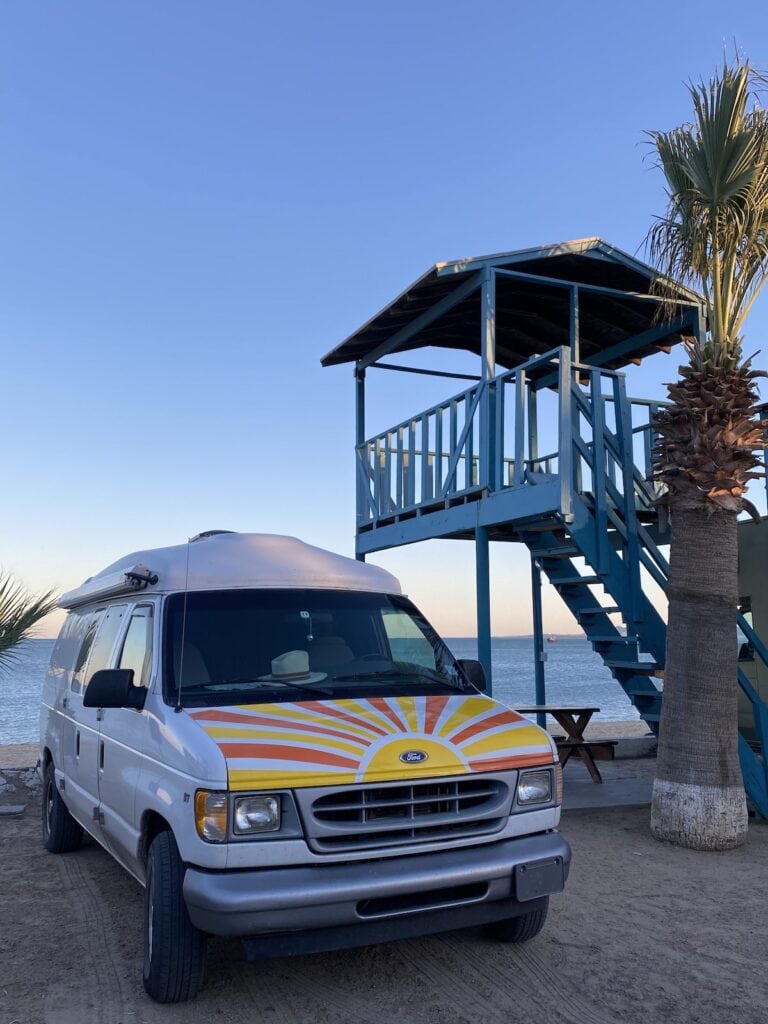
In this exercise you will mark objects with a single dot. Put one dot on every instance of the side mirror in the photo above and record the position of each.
(113, 688)
(474, 672)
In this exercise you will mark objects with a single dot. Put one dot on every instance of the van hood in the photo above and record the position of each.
(381, 739)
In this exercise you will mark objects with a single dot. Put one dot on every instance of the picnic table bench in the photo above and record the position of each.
(573, 721)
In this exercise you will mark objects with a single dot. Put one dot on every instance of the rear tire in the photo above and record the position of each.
(61, 833)
(522, 928)
(174, 950)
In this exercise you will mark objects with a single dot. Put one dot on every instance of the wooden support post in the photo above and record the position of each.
(648, 441)
(538, 641)
(483, 594)
(624, 437)
(565, 440)
(599, 458)
(426, 485)
(359, 405)
(575, 325)
(437, 482)
(533, 426)
(519, 427)
(360, 437)
(487, 439)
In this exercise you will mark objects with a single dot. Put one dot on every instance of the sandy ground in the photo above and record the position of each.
(644, 933)
(18, 755)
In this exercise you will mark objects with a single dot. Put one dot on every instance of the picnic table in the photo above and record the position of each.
(573, 721)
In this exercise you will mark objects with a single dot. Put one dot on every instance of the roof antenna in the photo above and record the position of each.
(178, 707)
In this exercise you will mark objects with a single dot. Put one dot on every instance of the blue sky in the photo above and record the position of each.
(199, 200)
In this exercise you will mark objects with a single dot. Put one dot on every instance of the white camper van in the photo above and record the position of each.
(277, 745)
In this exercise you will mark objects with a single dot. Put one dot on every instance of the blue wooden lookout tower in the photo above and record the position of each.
(544, 447)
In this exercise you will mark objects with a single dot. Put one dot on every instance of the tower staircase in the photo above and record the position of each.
(586, 511)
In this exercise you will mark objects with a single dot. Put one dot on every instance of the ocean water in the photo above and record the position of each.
(574, 674)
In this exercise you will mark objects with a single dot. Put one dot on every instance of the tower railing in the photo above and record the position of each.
(488, 438)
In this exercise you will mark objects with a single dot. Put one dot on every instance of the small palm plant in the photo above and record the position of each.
(714, 237)
(19, 614)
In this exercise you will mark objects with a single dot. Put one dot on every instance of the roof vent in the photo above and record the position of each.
(208, 533)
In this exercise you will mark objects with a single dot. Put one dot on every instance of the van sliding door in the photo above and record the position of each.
(122, 736)
(85, 752)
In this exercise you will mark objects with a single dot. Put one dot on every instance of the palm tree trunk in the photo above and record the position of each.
(698, 795)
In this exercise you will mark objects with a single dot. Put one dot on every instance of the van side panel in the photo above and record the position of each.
(177, 760)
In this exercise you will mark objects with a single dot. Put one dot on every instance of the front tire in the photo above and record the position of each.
(174, 950)
(522, 928)
(61, 833)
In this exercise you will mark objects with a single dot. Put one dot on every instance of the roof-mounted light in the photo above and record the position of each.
(115, 584)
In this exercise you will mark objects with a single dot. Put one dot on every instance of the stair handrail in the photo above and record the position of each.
(619, 447)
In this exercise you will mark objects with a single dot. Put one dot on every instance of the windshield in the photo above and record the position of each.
(251, 646)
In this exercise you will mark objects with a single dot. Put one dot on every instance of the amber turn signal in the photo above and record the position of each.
(211, 815)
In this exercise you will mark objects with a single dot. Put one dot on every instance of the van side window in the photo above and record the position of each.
(97, 646)
(137, 646)
(93, 620)
(406, 641)
(67, 648)
(101, 650)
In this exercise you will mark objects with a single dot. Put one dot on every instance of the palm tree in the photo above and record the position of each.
(19, 613)
(714, 237)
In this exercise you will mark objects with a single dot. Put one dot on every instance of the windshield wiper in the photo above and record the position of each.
(407, 678)
(268, 684)
(390, 673)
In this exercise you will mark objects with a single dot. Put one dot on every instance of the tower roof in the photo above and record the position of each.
(532, 316)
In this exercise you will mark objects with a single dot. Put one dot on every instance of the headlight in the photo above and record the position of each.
(534, 788)
(211, 815)
(257, 814)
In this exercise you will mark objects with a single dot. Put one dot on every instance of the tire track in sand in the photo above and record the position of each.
(100, 973)
(472, 971)
(306, 988)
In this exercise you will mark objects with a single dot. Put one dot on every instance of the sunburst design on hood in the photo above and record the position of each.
(337, 742)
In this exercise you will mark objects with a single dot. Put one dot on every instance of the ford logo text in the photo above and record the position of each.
(413, 756)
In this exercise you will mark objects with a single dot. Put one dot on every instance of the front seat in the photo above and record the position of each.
(329, 652)
(193, 667)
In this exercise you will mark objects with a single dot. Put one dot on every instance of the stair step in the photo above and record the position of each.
(612, 639)
(640, 668)
(562, 552)
(646, 693)
(583, 581)
(602, 610)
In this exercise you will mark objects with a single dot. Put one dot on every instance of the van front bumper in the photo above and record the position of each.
(314, 907)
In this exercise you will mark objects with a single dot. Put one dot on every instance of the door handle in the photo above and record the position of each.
(77, 743)
(101, 754)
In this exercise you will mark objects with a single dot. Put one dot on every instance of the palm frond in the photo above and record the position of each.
(19, 614)
(714, 234)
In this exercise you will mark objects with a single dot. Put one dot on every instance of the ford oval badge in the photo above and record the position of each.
(413, 756)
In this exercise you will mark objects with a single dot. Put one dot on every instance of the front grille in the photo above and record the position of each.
(393, 814)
